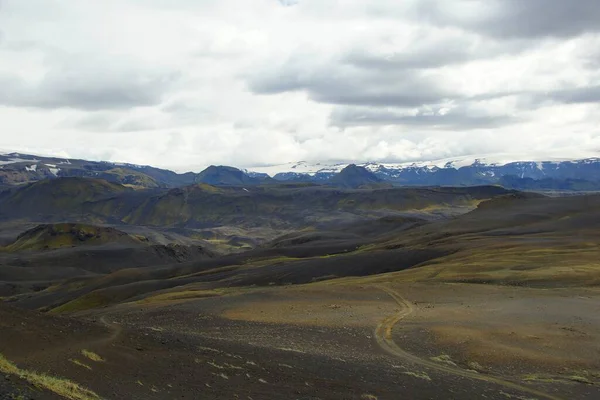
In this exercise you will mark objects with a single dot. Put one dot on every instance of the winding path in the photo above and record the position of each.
(114, 327)
(383, 335)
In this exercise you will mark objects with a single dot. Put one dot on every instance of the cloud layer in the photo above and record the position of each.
(184, 84)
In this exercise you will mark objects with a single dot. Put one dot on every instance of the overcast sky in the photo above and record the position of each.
(188, 83)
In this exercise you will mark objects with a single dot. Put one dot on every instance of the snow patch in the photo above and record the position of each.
(301, 167)
(14, 160)
(126, 165)
(53, 169)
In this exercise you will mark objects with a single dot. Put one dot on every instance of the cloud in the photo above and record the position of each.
(404, 79)
(288, 3)
(81, 87)
(431, 48)
(515, 18)
(132, 120)
(185, 83)
(348, 85)
(441, 118)
(588, 94)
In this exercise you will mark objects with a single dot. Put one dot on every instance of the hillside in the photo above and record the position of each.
(225, 176)
(197, 206)
(56, 197)
(56, 236)
(504, 241)
(18, 169)
(284, 207)
(47, 253)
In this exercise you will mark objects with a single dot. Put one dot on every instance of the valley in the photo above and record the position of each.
(304, 290)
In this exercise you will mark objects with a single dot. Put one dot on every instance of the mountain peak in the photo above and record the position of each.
(225, 176)
(354, 176)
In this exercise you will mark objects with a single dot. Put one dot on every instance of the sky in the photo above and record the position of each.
(183, 84)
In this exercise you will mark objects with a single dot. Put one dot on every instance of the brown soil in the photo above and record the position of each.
(319, 342)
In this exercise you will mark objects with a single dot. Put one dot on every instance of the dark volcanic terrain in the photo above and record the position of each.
(297, 291)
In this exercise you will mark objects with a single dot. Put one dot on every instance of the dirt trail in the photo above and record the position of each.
(383, 335)
(116, 331)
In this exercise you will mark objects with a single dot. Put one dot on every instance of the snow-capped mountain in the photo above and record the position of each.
(456, 171)
(18, 168)
(532, 174)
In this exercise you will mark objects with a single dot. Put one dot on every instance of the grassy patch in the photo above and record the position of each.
(182, 295)
(493, 261)
(80, 364)
(56, 236)
(540, 378)
(510, 396)
(421, 375)
(261, 262)
(579, 379)
(573, 377)
(475, 366)
(92, 356)
(445, 359)
(86, 302)
(367, 396)
(503, 263)
(62, 387)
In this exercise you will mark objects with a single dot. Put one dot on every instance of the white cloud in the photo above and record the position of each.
(185, 84)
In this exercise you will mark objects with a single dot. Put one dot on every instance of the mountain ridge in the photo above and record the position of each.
(461, 172)
(554, 173)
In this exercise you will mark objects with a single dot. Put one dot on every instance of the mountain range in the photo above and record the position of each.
(581, 174)
(564, 175)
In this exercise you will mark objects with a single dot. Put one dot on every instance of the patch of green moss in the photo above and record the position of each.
(86, 302)
(62, 387)
(420, 375)
(50, 237)
(445, 359)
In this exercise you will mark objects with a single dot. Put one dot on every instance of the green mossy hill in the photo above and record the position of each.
(225, 176)
(18, 176)
(99, 202)
(507, 200)
(204, 205)
(56, 196)
(129, 177)
(55, 236)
